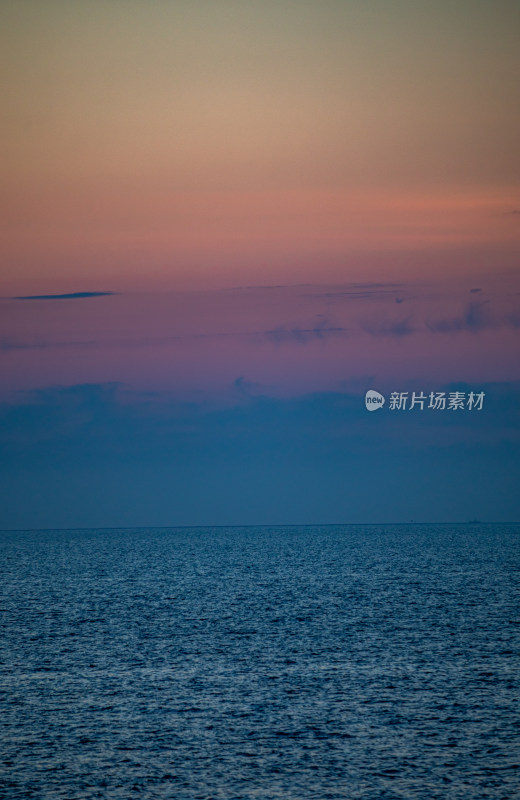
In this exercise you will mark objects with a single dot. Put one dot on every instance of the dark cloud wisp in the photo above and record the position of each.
(69, 296)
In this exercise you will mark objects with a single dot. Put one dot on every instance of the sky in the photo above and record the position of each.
(222, 224)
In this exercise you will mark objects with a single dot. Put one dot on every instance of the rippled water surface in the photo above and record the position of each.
(335, 662)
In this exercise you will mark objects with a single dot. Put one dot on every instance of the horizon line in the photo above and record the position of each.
(257, 525)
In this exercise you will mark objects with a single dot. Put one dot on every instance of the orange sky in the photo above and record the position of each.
(181, 144)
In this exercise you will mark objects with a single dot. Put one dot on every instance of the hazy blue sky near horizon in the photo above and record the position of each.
(223, 223)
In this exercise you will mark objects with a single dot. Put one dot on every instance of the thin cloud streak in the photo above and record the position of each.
(68, 296)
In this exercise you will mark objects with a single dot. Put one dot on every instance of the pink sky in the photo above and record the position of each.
(204, 145)
(173, 152)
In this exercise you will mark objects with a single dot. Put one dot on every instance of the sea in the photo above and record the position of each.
(254, 663)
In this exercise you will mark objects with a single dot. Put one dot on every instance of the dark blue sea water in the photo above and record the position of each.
(337, 662)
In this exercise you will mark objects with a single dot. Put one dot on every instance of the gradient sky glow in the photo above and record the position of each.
(183, 143)
(287, 203)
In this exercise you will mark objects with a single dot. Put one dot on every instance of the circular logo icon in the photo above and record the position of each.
(374, 400)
